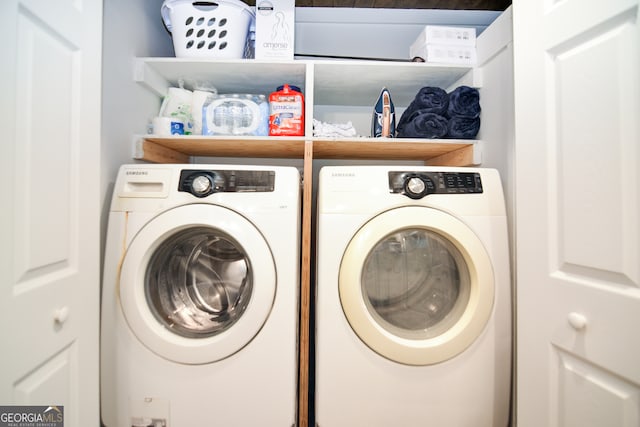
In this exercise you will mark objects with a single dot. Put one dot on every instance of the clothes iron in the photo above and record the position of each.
(383, 121)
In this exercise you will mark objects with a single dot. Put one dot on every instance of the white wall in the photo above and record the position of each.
(130, 29)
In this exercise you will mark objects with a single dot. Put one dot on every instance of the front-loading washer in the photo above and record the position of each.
(200, 297)
(413, 298)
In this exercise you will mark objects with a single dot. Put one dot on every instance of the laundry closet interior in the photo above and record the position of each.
(139, 67)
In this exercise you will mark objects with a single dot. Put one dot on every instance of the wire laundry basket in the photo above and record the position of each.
(208, 29)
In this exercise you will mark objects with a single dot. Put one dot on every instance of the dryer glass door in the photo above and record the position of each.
(416, 285)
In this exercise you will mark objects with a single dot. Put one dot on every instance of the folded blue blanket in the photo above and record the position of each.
(429, 100)
(422, 124)
(460, 127)
(464, 101)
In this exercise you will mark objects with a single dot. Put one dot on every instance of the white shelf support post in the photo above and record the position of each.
(150, 78)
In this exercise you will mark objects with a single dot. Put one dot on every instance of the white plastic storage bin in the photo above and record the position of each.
(208, 29)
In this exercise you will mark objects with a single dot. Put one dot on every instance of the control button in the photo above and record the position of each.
(450, 180)
(469, 180)
(201, 185)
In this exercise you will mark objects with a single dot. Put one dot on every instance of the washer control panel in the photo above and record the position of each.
(416, 185)
(201, 182)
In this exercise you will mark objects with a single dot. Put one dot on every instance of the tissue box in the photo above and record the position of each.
(275, 27)
(445, 54)
(438, 34)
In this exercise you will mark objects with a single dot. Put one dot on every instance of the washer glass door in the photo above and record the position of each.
(416, 285)
(197, 283)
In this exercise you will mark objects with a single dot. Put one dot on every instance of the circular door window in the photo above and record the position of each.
(197, 283)
(416, 285)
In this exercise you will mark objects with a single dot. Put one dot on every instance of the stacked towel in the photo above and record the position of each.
(428, 100)
(464, 113)
(464, 101)
(435, 114)
(461, 127)
(424, 124)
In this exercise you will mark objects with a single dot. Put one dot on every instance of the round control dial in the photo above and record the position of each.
(417, 187)
(201, 185)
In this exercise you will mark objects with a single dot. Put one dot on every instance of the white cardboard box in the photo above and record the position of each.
(275, 28)
(439, 34)
(445, 54)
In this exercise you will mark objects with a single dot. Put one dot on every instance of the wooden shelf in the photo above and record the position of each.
(442, 152)
(181, 149)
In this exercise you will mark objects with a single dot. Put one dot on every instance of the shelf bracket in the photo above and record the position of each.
(155, 153)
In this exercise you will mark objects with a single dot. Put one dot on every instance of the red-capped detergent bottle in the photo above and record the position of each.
(286, 111)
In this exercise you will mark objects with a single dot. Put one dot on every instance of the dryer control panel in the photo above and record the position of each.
(202, 183)
(416, 185)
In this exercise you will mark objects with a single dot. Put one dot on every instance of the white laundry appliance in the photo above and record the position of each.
(200, 297)
(413, 303)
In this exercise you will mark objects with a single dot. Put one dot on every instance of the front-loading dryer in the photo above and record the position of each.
(413, 299)
(200, 297)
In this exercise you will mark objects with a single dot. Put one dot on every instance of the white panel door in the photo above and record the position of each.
(577, 91)
(49, 221)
